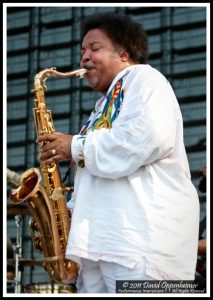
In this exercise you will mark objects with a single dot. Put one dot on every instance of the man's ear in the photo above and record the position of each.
(124, 56)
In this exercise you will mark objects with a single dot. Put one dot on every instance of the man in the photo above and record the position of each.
(200, 275)
(135, 210)
(10, 255)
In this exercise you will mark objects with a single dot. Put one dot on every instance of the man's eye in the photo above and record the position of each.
(95, 49)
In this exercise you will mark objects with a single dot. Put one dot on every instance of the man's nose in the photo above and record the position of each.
(85, 57)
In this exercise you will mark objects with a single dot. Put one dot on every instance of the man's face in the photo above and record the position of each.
(102, 58)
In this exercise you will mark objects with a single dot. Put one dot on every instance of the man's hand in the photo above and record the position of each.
(54, 147)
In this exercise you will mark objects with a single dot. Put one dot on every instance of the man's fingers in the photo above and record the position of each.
(48, 137)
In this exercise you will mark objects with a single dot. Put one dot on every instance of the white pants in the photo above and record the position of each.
(101, 276)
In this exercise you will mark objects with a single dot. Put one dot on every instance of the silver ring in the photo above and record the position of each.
(53, 152)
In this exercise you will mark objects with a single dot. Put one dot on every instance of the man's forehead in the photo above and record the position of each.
(94, 35)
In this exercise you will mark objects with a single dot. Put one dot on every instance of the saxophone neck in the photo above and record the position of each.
(42, 76)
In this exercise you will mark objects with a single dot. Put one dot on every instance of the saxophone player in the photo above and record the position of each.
(135, 209)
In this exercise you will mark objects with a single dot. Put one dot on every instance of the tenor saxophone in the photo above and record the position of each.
(51, 219)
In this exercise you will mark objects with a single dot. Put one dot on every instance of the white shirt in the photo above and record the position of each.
(134, 197)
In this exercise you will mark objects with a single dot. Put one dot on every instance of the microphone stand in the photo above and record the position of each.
(18, 254)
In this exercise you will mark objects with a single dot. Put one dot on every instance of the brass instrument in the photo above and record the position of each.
(51, 220)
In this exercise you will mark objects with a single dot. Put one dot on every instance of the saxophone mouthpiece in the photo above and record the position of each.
(82, 72)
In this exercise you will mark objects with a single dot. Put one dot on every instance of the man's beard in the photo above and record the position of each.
(93, 82)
